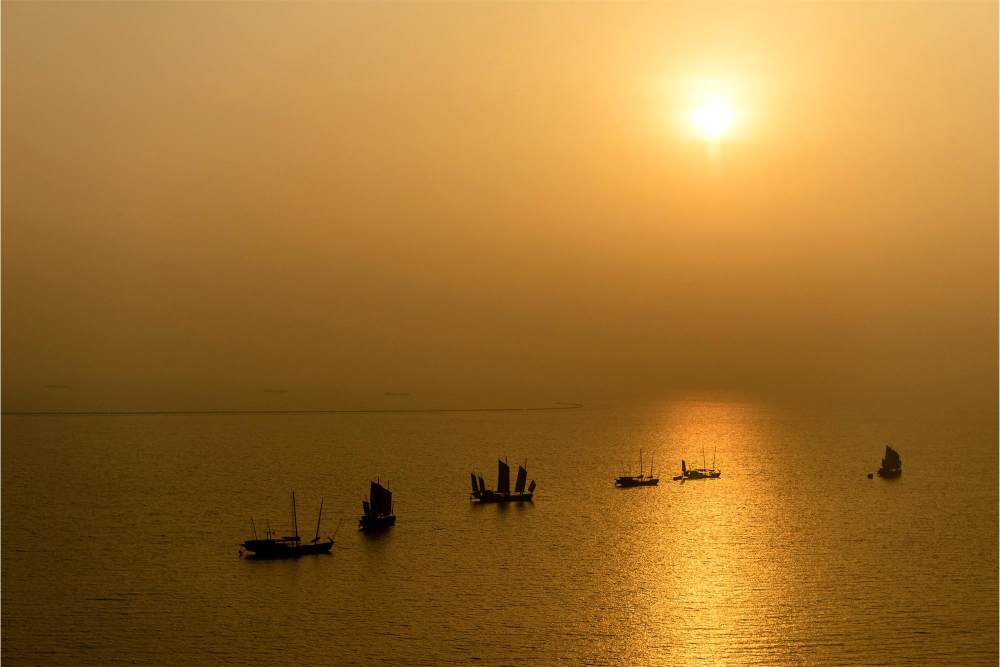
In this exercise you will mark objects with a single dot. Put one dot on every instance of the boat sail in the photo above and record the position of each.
(289, 546)
(522, 477)
(503, 478)
(482, 494)
(642, 479)
(377, 509)
(892, 465)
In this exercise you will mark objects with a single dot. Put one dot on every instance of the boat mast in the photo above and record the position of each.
(318, 519)
(704, 462)
(295, 518)
(641, 469)
(650, 466)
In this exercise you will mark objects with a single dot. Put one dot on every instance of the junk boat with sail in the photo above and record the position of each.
(377, 509)
(628, 481)
(502, 494)
(289, 546)
(699, 473)
(892, 465)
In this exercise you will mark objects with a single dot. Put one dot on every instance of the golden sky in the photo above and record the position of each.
(494, 201)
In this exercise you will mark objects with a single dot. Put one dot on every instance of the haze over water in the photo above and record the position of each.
(487, 203)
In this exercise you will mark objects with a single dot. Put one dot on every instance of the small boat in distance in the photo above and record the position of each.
(628, 481)
(502, 494)
(378, 508)
(699, 473)
(892, 466)
(290, 546)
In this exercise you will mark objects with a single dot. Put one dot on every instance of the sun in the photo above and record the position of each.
(713, 120)
(711, 110)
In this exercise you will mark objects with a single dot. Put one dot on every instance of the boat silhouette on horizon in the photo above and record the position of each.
(377, 509)
(628, 481)
(480, 493)
(699, 473)
(892, 465)
(289, 546)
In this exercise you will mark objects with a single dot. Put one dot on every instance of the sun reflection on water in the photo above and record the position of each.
(710, 561)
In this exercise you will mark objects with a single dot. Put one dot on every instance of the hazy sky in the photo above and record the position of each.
(494, 202)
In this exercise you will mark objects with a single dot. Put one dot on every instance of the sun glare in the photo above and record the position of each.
(712, 120)
(710, 109)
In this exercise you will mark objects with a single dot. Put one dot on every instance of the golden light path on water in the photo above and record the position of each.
(773, 563)
(704, 579)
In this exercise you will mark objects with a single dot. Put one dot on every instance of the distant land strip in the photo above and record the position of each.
(122, 413)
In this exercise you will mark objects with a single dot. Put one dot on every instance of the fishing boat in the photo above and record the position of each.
(378, 508)
(892, 466)
(289, 546)
(502, 494)
(699, 473)
(628, 481)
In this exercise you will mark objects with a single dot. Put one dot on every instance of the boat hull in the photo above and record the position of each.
(492, 497)
(275, 549)
(627, 483)
(369, 522)
(694, 474)
(890, 473)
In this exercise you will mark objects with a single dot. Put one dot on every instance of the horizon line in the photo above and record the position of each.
(112, 413)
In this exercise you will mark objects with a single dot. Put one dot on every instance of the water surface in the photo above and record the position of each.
(120, 539)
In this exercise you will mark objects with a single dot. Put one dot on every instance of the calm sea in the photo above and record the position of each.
(120, 539)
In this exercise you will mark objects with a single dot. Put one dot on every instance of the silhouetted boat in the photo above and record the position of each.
(290, 546)
(641, 479)
(699, 473)
(378, 509)
(892, 466)
(502, 493)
